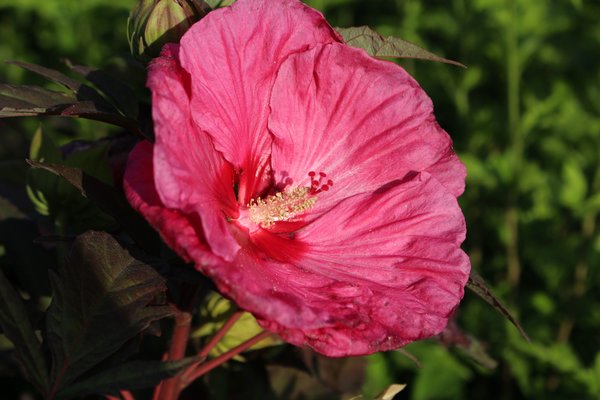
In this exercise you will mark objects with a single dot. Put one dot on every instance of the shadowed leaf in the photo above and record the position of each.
(479, 287)
(16, 325)
(16, 101)
(81, 91)
(89, 110)
(304, 374)
(53, 75)
(109, 199)
(118, 92)
(131, 375)
(82, 100)
(102, 298)
(453, 335)
(379, 46)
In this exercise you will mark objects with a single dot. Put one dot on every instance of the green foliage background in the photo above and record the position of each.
(525, 119)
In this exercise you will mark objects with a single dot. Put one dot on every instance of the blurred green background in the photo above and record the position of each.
(525, 119)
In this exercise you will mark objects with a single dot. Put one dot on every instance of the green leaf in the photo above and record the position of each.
(379, 374)
(43, 148)
(17, 327)
(441, 375)
(379, 46)
(215, 311)
(593, 203)
(102, 298)
(218, 3)
(574, 188)
(130, 376)
(39, 185)
(479, 287)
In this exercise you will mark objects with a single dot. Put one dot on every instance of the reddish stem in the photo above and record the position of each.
(127, 395)
(185, 377)
(169, 389)
(157, 390)
(220, 334)
(215, 362)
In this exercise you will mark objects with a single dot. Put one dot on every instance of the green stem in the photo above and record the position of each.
(517, 144)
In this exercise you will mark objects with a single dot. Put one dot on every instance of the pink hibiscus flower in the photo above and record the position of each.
(310, 181)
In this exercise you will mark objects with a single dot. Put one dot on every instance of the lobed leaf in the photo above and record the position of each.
(479, 287)
(380, 46)
(101, 299)
(17, 327)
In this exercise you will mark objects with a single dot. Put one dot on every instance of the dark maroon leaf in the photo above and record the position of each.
(89, 110)
(53, 75)
(17, 327)
(131, 375)
(479, 287)
(376, 45)
(23, 101)
(82, 91)
(102, 298)
(470, 346)
(83, 101)
(31, 100)
(117, 91)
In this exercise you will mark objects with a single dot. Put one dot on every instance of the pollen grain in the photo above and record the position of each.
(282, 206)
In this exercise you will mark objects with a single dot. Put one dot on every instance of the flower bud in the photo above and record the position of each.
(153, 23)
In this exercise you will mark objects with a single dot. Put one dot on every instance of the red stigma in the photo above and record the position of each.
(319, 185)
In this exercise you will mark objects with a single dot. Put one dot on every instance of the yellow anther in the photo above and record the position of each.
(281, 206)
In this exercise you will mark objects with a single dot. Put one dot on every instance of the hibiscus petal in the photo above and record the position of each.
(232, 55)
(175, 228)
(362, 121)
(390, 266)
(190, 175)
